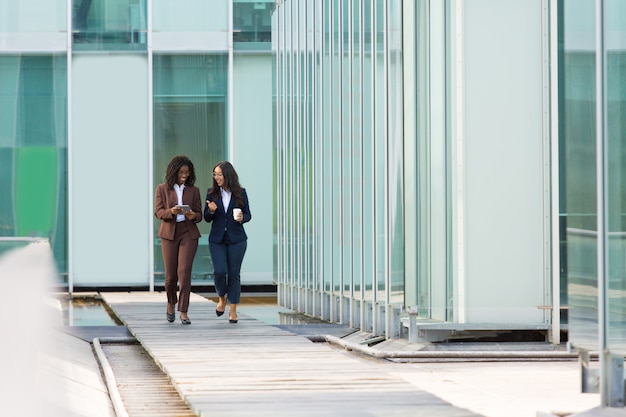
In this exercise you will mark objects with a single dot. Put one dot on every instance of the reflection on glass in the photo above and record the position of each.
(252, 21)
(109, 25)
(190, 99)
(577, 165)
(615, 25)
(395, 168)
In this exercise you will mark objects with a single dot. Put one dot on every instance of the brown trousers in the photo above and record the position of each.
(178, 255)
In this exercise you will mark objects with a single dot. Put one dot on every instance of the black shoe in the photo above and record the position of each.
(218, 313)
(170, 317)
(232, 320)
(185, 321)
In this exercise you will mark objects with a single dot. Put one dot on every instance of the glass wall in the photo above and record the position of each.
(190, 118)
(427, 160)
(592, 192)
(33, 150)
(339, 147)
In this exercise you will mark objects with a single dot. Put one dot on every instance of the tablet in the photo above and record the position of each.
(186, 208)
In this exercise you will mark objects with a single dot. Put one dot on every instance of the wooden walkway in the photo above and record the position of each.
(256, 369)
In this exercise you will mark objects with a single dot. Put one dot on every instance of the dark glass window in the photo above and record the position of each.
(252, 22)
(109, 25)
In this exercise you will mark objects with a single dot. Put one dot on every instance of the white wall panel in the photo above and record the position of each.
(110, 203)
(253, 160)
(503, 161)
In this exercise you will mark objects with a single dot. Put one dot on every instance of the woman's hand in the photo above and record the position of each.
(190, 215)
(212, 206)
(176, 210)
(238, 217)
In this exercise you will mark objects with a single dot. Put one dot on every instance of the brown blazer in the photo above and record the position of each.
(165, 198)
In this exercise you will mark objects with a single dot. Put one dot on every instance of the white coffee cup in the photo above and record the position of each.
(236, 212)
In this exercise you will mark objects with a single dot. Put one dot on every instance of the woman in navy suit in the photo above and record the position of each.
(227, 207)
(178, 231)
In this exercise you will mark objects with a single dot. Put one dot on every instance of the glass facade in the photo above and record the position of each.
(33, 150)
(151, 78)
(339, 147)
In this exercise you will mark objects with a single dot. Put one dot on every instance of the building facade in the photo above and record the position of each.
(442, 161)
(97, 96)
(436, 158)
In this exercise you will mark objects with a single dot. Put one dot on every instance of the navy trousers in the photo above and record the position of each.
(227, 258)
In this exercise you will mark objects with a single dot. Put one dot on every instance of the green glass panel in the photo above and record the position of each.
(36, 181)
(33, 150)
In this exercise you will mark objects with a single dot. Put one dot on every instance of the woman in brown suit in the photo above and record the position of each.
(178, 206)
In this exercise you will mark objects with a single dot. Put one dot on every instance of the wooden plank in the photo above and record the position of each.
(252, 368)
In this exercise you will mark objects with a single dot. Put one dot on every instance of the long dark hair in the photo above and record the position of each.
(231, 182)
(171, 174)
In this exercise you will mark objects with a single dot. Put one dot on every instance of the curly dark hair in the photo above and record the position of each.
(231, 182)
(171, 174)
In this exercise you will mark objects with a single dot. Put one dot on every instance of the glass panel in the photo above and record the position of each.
(345, 151)
(316, 133)
(369, 190)
(252, 21)
(356, 154)
(327, 144)
(449, 303)
(33, 16)
(335, 148)
(307, 22)
(423, 170)
(190, 118)
(190, 16)
(33, 150)
(109, 25)
(577, 164)
(380, 150)
(299, 155)
(615, 32)
(395, 165)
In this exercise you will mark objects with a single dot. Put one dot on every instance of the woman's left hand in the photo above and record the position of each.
(190, 215)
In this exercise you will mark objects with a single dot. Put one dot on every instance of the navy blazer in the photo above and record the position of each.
(223, 219)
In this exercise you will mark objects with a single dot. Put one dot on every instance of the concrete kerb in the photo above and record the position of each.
(388, 354)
